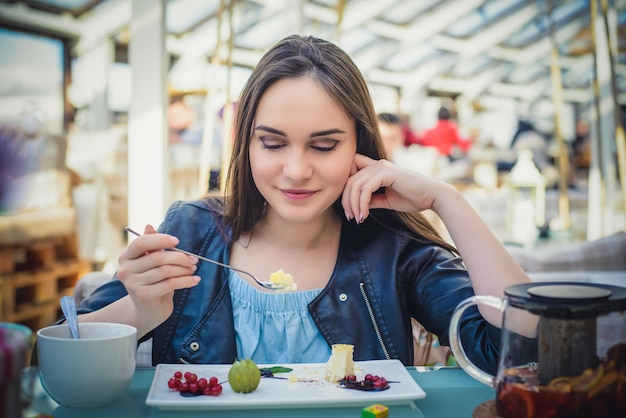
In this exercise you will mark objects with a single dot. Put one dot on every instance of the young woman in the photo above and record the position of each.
(309, 192)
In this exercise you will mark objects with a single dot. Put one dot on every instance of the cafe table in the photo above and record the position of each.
(450, 393)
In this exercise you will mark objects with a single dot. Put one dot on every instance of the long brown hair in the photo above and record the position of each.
(329, 66)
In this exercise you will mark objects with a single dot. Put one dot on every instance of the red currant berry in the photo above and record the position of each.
(172, 383)
(216, 390)
(202, 383)
(213, 381)
(351, 378)
(184, 387)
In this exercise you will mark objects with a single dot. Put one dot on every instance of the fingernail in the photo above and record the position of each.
(193, 260)
(346, 213)
(360, 217)
(174, 240)
(194, 267)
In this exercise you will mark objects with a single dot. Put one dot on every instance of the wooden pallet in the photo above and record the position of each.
(34, 276)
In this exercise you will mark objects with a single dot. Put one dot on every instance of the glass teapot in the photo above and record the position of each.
(562, 350)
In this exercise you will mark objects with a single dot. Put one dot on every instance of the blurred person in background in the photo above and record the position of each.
(392, 134)
(445, 137)
(410, 136)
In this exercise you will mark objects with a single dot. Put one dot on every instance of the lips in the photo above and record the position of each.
(298, 194)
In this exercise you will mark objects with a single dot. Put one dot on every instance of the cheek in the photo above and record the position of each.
(336, 172)
(260, 165)
(266, 171)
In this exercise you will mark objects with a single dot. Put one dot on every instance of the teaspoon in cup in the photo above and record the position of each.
(68, 306)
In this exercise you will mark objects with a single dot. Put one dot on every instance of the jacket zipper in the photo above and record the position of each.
(373, 319)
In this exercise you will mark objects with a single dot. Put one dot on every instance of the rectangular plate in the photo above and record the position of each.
(279, 393)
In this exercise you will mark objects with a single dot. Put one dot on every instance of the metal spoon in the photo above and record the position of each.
(266, 285)
(68, 306)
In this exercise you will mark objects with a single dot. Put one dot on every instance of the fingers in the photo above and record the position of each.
(161, 280)
(147, 263)
(151, 276)
(150, 241)
(358, 193)
(154, 259)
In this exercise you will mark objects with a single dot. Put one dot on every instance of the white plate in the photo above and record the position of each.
(279, 393)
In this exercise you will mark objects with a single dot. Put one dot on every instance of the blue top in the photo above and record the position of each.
(275, 328)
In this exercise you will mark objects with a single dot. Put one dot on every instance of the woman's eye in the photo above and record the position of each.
(271, 144)
(326, 146)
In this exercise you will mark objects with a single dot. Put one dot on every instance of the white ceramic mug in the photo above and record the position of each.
(91, 371)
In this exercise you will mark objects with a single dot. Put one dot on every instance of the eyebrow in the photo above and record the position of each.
(313, 134)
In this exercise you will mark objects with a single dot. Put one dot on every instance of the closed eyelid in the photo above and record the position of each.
(324, 143)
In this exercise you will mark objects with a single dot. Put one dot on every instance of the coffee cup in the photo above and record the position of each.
(87, 372)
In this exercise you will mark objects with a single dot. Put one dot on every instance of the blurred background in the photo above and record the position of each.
(110, 110)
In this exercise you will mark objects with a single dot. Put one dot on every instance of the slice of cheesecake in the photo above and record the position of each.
(340, 364)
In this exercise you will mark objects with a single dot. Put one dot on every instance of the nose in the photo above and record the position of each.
(297, 166)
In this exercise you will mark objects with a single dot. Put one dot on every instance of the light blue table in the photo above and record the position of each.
(450, 393)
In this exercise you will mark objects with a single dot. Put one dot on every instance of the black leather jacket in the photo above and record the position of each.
(381, 279)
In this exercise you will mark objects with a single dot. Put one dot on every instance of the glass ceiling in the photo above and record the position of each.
(399, 41)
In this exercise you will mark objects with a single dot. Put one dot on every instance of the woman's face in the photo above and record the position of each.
(302, 149)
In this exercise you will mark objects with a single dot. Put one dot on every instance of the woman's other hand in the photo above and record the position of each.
(404, 190)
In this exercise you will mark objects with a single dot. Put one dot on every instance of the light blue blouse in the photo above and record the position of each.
(275, 328)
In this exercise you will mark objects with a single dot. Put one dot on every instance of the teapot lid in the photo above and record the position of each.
(567, 300)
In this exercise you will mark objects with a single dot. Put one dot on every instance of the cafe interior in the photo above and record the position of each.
(118, 108)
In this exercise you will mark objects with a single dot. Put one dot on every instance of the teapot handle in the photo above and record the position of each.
(455, 340)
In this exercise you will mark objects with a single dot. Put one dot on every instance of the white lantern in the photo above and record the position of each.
(526, 202)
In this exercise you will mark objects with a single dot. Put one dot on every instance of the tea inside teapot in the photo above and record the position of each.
(598, 392)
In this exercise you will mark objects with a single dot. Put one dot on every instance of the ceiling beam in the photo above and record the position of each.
(539, 50)
(422, 75)
(425, 26)
(480, 83)
(358, 13)
(110, 18)
(528, 92)
(489, 37)
(373, 55)
(21, 16)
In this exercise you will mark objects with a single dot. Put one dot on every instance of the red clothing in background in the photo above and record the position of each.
(444, 136)
(410, 137)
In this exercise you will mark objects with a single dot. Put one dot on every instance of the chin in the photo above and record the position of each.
(300, 213)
